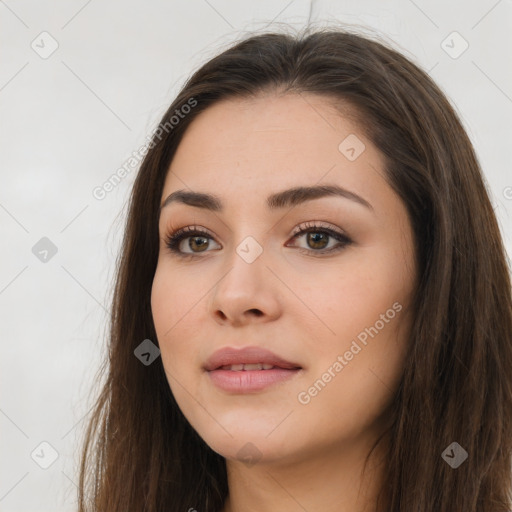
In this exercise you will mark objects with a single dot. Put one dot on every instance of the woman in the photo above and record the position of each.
(311, 247)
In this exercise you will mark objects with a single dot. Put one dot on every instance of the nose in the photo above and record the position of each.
(245, 293)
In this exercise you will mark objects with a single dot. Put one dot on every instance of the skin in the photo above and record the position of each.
(305, 307)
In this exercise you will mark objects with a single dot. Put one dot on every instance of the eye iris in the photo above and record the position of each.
(193, 240)
(316, 237)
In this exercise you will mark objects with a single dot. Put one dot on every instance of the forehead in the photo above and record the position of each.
(251, 147)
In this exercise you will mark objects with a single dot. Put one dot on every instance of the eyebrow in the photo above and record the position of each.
(284, 199)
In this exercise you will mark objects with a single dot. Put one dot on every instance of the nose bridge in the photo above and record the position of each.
(246, 262)
(248, 236)
(246, 285)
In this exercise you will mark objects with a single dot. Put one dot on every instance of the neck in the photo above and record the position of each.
(331, 480)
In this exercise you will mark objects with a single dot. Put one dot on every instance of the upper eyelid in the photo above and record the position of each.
(303, 226)
(320, 225)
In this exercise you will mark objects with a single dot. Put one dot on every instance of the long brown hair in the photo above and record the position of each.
(141, 454)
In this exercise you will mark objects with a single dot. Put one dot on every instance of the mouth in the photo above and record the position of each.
(250, 369)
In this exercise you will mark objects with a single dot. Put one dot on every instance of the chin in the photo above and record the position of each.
(248, 443)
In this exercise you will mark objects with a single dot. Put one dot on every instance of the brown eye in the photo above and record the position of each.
(317, 242)
(194, 244)
(198, 241)
(318, 238)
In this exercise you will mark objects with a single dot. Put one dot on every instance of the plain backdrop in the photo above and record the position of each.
(83, 83)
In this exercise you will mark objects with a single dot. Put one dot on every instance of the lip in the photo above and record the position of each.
(247, 355)
(245, 381)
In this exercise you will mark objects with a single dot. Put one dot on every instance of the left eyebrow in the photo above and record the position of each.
(284, 199)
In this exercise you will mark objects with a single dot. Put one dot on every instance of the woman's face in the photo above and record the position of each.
(320, 281)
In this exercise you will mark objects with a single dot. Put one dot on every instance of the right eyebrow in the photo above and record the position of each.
(279, 200)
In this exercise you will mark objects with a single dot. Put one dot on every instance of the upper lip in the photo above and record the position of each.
(247, 355)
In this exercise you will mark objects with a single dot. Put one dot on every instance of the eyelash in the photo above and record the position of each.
(173, 240)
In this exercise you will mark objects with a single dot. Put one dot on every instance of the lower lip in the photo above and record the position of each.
(245, 381)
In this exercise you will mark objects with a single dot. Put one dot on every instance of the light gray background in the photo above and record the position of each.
(69, 121)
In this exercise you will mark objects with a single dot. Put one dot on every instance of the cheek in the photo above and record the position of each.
(366, 312)
(175, 298)
(352, 298)
(173, 311)
(163, 306)
(355, 378)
